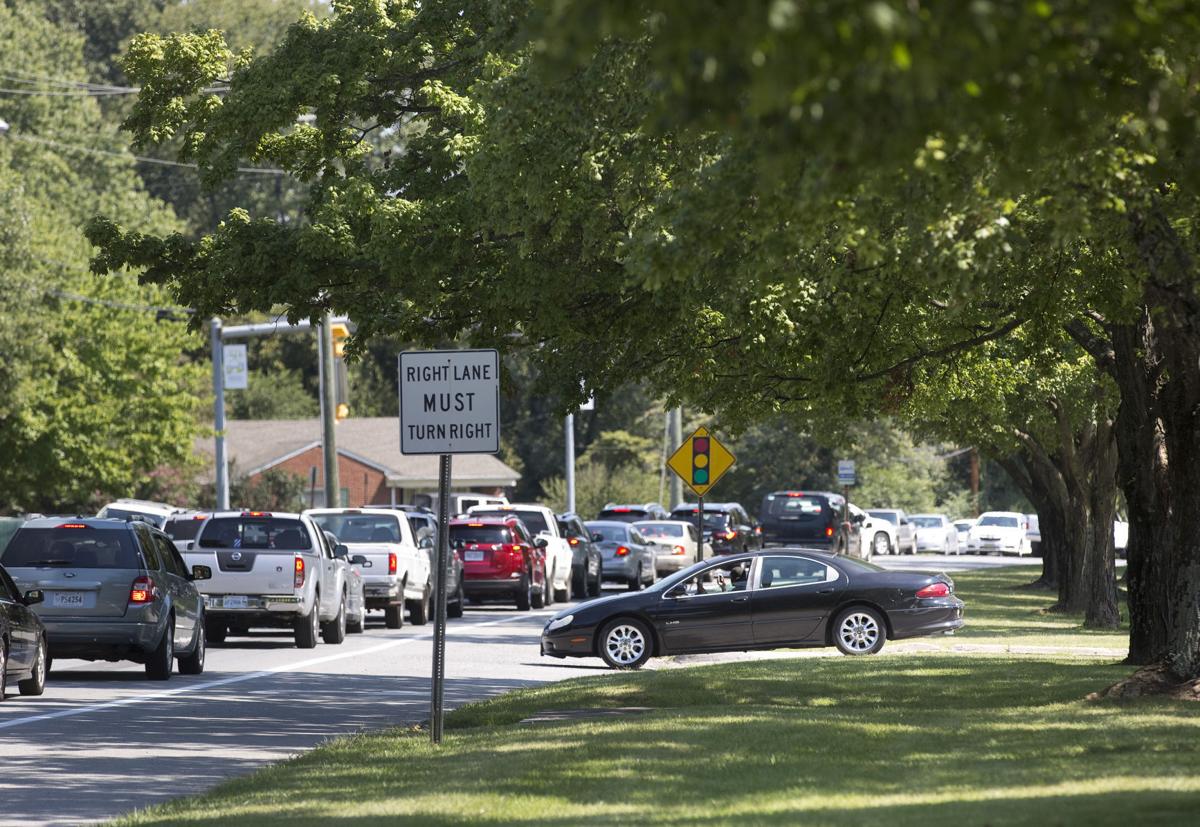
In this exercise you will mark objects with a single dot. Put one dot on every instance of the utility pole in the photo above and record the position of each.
(569, 438)
(674, 438)
(218, 375)
(975, 480)
(328, 413)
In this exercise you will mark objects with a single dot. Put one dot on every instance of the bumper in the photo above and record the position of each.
(618, 568)
(942, 616)
(799, 542)
(567, 643)
(93, 639)
(991, 548)
(382, 595)
(674, 562)
(483, 587)
(930, 545)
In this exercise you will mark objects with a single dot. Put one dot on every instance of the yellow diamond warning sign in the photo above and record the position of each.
(700, 461)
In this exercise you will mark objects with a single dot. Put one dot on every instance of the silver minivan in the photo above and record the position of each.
(113, 590)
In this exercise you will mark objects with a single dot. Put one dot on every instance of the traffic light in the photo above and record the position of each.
(700, 459)
(339, 332)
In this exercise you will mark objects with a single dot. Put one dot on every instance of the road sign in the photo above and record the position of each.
(700, 461)
(450, 402)
(846, 473)
(236, 372)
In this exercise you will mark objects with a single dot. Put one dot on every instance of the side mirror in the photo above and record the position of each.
(360, 560)
(34, 596)
(540, 541)
(426, 542)
(859, 519)
(340, 551)
(191, 544)
(201, 573)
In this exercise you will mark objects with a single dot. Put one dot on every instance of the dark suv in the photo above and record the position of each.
(113, 590)
(632, 513)
(805, 518)
(726, 525)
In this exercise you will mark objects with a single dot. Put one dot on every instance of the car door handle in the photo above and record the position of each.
(672, 623)
(739, 600)
(826, 591)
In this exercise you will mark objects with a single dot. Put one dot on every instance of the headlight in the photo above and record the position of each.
(559, 622)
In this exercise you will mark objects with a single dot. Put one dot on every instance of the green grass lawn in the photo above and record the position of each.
(901, 738)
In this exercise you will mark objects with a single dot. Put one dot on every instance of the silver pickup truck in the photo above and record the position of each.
(271, 569)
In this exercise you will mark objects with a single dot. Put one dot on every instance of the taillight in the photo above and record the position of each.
(622, 551)
(680, 550)
(141, 590)
(758, 529)
(299, 581)
(828, 531)
(934, 590)
(393, 564)
(729, 535)
(573, 541)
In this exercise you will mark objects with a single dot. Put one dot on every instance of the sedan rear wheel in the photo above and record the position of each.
(880, 545)
(625, 644)
(859, 631)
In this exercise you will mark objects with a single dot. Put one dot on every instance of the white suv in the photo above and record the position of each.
(541, 522)
(1000, 532)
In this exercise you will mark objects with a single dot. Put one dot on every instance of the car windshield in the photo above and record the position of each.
(472, 535)
(660, 529)
(891, 516)
(534, 520)
(1000, 521)
(255, 532)
(854, 564)
(125, 513)
(610, 533)
(183, 528)
(76, 548)
(926, 522)
(713, 520)
(361, 528)
(795, 506)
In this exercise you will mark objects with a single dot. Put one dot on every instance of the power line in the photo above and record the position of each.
(63, 266)
(72, 88)
(141, 159)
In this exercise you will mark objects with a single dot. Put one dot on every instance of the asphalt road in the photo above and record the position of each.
(103, 740)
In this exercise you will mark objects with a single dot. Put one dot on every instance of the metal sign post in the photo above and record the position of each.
(449, 404)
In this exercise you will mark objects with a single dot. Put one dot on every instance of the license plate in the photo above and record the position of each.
(234, 601)
(472, 556)
(69, 599)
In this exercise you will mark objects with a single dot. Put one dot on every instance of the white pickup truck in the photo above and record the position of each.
(271, 569)
(396, 571)
(541, 522)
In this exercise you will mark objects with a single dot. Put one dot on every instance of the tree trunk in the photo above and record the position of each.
(1024, 472)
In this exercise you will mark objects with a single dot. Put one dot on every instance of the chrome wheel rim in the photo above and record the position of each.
(881, 544)
(39, 667)
(859, 632)
(625, 644)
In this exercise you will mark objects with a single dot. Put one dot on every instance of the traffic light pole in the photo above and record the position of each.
(438, 684)
(328, 414)
(700, 528)
(218, 375)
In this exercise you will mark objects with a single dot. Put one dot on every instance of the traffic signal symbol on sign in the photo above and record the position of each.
(701, 460)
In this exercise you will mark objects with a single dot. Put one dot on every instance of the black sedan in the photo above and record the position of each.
(762, 600)
(23, 656)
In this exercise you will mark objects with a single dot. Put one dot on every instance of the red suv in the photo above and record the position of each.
(501, 559)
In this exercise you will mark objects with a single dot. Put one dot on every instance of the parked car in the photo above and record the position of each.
(963, 527)
(271, 569)
(632, 512)
(356, 603)
(155, 513)
(182, 527)
(868, 536)
(726, 525)
(1120, 538)
(114, 590)
(24, 656)
(396, 572)
(803, 518)
(501, 558)
(935, 533)
(1034, 533)
(628, 556)
(763, 600)
(541, 522)
(999, 532)
(678, 544)
(587, 562)
(906, 532)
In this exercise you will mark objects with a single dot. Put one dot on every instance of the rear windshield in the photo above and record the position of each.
(254, 532)
(926, 522)
(660, 530)
(712, 519)
(156, 520)
(1003, 522)
(611, 533)
(534, 521)
(479, 535)
(360, 528)
(855, 564)
(891, 516)
(76, 548)
(182, 528)
(795, 507)
(623, 515)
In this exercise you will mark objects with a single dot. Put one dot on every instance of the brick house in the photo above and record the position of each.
(371, 469)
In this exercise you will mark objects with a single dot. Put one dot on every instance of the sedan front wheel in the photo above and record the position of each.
(859, 630)
(625, 643)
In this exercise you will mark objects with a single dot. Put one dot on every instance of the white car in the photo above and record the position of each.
(541, 522)
(963, 527)
(1000, 532)
(675, 543)
(905, 539)
(876, 535)
(1120, 538)
(935, 533)
(152, 512)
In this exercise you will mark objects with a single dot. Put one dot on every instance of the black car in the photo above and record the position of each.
(726, 525)
(632, 513)
(764, 600)
(803, 518)
(586, 562)
(23, 654)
